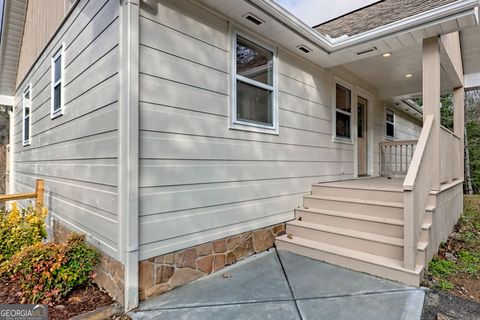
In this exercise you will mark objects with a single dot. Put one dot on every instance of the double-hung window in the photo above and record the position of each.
(343, 112)
(389, 124)
(57, 84)
(26, 123)
(254, 95)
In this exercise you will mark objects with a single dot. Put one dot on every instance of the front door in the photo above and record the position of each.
(362, 105)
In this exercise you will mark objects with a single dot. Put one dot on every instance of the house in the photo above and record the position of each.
(181, 136)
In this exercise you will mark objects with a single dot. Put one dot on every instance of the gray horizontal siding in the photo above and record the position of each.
(77, 153)
(406, 128)
(200, 180)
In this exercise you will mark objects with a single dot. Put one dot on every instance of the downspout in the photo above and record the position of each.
(11, 172)
(128, 131)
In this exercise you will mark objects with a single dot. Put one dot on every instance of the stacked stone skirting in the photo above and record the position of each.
(163, 273)
(168, 271)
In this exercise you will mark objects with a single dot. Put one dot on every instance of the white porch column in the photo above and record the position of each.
(431, 100)
(459, 125)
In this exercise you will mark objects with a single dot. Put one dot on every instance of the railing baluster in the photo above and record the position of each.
(395, 156)
(401, 159)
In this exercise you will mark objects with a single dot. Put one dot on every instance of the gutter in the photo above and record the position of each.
(440, 14)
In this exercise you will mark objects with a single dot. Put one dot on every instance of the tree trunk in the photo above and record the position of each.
(468, 177)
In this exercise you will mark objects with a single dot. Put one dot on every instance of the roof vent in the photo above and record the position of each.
(253, 19)
(369, 50)
(304, 49)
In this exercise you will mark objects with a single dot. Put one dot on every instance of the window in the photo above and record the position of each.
(343, 112)
(254, 98)
(390, 124)
(57, 84)
(26, 125)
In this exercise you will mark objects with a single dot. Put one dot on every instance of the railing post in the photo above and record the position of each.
(409, 230)
(39, 190)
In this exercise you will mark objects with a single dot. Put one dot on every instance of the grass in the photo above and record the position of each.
(458, 257)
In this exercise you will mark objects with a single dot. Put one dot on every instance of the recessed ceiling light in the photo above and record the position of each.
(408, 75)
(386, 55)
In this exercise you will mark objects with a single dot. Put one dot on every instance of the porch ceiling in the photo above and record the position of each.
(389, 74)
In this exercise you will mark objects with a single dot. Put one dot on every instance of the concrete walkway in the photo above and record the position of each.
(282, 285)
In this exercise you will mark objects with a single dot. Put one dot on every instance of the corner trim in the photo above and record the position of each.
(128, 165)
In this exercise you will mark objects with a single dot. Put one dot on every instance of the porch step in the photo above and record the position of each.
(386, 209)
(354, 221)
(352, 259)
(358, 191)
(371, 243)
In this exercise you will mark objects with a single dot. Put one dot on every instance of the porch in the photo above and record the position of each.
(391, 225)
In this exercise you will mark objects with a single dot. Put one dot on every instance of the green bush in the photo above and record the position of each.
(47, 272)
(19, 229)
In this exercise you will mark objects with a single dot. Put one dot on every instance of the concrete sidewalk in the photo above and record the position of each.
(282, 285)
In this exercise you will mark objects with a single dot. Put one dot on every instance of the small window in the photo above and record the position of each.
(343, 112)
(254, 91)
(390, 124)
(57, 84)
(26, 123)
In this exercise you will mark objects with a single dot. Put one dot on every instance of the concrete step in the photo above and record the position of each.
(358, 192)
(367, 242)
(377, 208)
(352, 259)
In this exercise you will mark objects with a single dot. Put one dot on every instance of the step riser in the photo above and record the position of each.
(358, 193)
(363, 245)
(352, 207)
(396, 275)
(372, 247)
(425, 235)
(351, 223)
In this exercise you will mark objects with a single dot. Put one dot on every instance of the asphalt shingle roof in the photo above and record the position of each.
(376, 15)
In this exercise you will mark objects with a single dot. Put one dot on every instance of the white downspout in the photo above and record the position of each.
(11, 144)
(128, 148)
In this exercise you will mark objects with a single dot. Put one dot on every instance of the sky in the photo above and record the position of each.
(314, 12)
(1, 15)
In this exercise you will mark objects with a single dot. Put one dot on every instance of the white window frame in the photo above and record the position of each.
(245, 125)
(56, 113)
(389, 122)
(351, 113)
(28, 89)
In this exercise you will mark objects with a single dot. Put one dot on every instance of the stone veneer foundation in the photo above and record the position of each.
(163, 273)
(168, 271)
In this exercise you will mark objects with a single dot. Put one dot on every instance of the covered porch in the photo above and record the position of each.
(390, 225)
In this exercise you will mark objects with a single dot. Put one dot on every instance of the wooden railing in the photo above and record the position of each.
(38, 195)
(417, 187)
(395, 157)
(451, 165)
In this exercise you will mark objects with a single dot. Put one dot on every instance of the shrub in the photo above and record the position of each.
(47, 272)
(19, 229)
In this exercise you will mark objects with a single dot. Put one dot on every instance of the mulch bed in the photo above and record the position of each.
(78, 301)
(440, 305)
